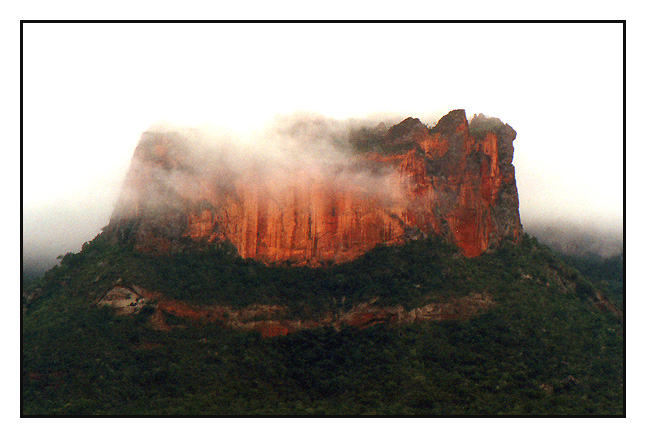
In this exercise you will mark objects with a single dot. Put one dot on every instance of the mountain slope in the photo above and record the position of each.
(394, 279)
(545, 347)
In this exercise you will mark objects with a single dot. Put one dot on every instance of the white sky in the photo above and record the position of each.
(90, 90)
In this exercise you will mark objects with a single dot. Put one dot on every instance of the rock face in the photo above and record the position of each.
(123, 300)
(274, 320)
(378, 186)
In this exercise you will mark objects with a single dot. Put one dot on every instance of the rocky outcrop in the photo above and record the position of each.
(455, 180)
(276, 320)
(124, 300)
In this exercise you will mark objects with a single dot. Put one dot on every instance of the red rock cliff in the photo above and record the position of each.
(455, 180)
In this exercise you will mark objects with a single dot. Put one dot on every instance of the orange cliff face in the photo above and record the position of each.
(329, 207)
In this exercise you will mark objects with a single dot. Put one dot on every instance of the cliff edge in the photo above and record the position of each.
(325, 204)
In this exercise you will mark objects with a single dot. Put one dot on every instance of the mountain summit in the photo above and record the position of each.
(324, 268)
(323, 196)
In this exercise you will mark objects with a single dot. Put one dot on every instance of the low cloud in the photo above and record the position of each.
(295, 151)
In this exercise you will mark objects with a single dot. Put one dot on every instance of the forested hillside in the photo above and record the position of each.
(548, 347)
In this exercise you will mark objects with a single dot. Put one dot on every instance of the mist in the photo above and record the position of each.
(578, 238)
(56, 230)
(300, 145)
(91, 90)
(286, 149)
(207, 164)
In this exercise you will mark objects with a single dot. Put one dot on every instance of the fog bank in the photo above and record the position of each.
(301, 145)
(90, 90)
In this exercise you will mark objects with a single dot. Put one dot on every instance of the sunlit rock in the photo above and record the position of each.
(317, 206)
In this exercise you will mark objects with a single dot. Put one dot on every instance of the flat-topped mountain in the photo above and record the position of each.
(329, 203)
(324, 268)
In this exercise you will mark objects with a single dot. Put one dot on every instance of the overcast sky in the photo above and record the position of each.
(90, 90)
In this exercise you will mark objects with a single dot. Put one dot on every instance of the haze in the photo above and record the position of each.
(90, 90)
(206, 165)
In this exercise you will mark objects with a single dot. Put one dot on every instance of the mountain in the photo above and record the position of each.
(455, 180)
(578, 240)
(333, 271)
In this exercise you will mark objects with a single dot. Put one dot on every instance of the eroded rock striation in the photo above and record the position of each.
(327, 203)
(275, 320)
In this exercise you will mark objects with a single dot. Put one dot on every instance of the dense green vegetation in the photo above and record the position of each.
(606, 273)
(544, 350)
(365, 140)
(480, 125)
